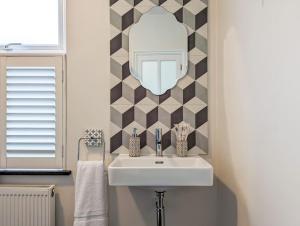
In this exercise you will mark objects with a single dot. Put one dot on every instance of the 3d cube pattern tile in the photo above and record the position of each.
(132, 106)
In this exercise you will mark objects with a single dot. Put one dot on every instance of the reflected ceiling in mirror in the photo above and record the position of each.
(158, 50)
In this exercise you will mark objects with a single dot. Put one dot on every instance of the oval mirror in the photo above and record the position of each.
(158, 51)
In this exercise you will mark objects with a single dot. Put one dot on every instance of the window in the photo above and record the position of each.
(32, 25)
(31, 107)
(159, 71)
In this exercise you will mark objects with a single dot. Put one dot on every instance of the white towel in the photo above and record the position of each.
(90, 194)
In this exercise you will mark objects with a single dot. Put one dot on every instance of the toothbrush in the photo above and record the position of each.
(134, 132)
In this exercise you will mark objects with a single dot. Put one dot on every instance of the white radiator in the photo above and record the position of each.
(27, 205)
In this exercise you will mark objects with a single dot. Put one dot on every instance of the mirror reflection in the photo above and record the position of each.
(158, 50)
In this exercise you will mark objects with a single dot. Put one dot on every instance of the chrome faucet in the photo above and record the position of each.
(158, 141)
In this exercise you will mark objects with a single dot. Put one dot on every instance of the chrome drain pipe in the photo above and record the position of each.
(160, 208)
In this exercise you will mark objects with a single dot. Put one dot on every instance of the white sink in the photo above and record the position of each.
(160, 171)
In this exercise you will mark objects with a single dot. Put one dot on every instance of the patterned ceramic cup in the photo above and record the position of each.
(181, 148)
(134, 147)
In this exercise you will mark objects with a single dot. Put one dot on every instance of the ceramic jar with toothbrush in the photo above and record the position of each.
(134, 144)
(182, 131)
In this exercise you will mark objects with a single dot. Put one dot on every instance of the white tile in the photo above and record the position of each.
(122, 101)
(195, 105)
(203, 31)
(195, 6)
(120, 59)
(114, 80)
(197, 58)
(114, 31)
(121, 7)
(114, 129)
(171, 101)
(203, 80)
(184, 82)
(204, 129)
(146, 101)
(156, 126)
(132, 82)
(170, 108)
(129, 129)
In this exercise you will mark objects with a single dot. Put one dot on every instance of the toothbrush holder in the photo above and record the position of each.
(134, 147)
(181, 148)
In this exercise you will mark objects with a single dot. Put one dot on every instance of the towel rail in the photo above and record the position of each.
(99, 140)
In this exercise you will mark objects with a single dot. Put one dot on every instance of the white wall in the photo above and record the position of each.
(88, 97)
(257, 156)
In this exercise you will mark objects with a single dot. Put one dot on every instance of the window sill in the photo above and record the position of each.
(33, 53)
(37, 172)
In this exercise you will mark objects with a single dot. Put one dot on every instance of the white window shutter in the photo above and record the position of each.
(30, 115)
(31, 91)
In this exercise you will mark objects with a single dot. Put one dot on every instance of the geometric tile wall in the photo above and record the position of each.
(132, 106)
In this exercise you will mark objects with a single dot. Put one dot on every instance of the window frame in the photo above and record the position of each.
(35, 162)
(59, 49)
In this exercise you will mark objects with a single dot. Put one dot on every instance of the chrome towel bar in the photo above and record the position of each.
(92, 141)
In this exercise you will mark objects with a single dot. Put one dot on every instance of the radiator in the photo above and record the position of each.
(27, 205)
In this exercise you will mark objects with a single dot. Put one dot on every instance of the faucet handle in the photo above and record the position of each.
(158, 135)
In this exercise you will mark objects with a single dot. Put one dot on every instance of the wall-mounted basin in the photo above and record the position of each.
(160, 171)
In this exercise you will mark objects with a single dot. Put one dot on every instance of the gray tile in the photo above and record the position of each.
(189, 19)
(136, 15)
(201, 142)
(116, 19)
(116, 117)
(128, 93)
(164, 117)
(115, 68)
(125, 42)
(201, 93)
(201, 43)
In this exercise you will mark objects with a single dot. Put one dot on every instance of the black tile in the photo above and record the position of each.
(179, 15)
(125, 70)
(116, 44)
(177, 116)
(166, 140)
(191, 41)
(135, 2)
(191, 140)
(113, 2)
(127, 117)
(115, 141)
(201, 117)
(139, 94)
(116, 93)
(143, 138)
(201, 68)
(152, 117)
(164, 96)
(201, 19)
(186, 1)
(127, 19)
(160, 2)
(189, 92)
